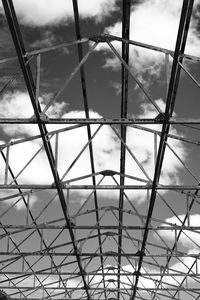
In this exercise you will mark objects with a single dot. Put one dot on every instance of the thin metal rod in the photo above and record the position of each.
(38, 67)
(69, 79)
(123, 62)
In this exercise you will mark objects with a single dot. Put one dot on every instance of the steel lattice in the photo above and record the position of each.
(83, 252)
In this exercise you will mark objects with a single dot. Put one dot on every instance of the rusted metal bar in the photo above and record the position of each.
(103, 121)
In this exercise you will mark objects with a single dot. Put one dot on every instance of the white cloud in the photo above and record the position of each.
(153, 22)
(149, 280)
(51, 282)
(186, 265)
(50, 12)
(191, 239)
(126, 279)
(106, 150)
(17, 201)
(18, 104)
(142, 143)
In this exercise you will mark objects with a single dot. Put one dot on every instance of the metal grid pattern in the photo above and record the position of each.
(85, 257)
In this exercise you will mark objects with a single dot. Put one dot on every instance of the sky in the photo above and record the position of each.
(47, 23)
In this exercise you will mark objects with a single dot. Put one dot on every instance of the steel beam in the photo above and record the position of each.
(86, 107)
(171, 96)
(99, 187)
(68, 265)
(124, 106)
(21, 53)
(103, 121)
(101, 38)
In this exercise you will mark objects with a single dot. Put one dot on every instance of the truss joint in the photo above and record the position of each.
(160, 117)
(102, 38)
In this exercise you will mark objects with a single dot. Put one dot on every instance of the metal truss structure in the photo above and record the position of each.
(83, 254)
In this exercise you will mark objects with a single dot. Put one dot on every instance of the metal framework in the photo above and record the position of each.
(100, 250)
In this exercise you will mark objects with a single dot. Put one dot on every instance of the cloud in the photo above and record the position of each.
(191, 239)
(50, 12)
(153, 22)
(55, 287)
(31, 157)
(144, 147)
(126, 279)
(18, 104)
(149, 280)
(19, 202)
(116, 86)
(48, 39)
(183, 266)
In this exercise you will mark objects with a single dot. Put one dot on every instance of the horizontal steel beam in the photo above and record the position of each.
(86, 121)
(108, 37)
(92, 254)
(105, 227)
(22, 288)
(99, 39)
(108, 298)
(99, 187)
(99, 273)
(72, 127)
